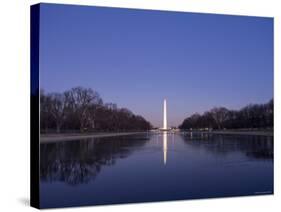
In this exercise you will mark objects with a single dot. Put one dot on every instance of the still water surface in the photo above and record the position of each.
(154, 167)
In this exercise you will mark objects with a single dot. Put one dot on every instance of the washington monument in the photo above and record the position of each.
(165, 115)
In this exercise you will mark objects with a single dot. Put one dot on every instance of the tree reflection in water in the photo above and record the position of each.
(259, 147)
(76, 162)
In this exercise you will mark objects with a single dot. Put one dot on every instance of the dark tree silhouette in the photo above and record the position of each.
(252, 116)
(82, 109)
(57, 105)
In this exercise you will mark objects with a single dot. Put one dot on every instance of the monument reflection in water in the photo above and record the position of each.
(165, 129)
(154, 167)
(165, 146)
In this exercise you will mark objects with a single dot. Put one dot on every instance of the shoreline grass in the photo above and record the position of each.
(48, 138)
(236, 132)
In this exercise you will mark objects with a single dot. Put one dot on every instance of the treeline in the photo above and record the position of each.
(251, 116)
(82, 109)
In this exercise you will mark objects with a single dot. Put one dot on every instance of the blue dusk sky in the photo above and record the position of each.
(136, 58)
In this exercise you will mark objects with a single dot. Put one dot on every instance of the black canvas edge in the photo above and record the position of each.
(34, 106)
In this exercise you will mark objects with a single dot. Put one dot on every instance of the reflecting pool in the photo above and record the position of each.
(154, 167)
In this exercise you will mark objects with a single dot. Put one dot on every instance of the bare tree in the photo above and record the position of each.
(251, 116)
(58, 109)
(84, 101)
(83, 109)
(45, 107)
(219, 115)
